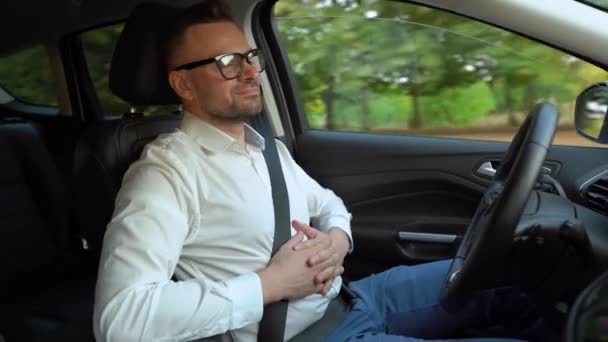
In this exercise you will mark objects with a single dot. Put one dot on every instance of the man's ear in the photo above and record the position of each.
(181, 85)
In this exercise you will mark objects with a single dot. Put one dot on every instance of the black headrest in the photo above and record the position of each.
(138, 74)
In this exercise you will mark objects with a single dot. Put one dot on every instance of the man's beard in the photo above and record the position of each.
(239, 110)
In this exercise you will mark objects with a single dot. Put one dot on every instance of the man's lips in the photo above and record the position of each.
(248, 91)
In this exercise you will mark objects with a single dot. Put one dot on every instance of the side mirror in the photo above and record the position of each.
(590, 113)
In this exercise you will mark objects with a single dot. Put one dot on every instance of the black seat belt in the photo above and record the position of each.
(272, 325)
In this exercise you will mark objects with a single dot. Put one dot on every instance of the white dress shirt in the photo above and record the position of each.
(199, 205)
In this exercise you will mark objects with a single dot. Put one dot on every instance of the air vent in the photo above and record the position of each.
(596, 194)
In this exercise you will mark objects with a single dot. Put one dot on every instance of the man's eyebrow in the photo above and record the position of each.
(227, 52)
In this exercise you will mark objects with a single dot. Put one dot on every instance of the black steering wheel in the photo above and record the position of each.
(488, 238)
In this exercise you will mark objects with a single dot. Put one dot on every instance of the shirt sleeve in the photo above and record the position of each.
(326, 209)
(135, 298)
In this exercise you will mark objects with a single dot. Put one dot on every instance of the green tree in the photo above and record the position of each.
(26, 74)
(453, 71)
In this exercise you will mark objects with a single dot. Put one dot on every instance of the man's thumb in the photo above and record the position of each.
(310, 232)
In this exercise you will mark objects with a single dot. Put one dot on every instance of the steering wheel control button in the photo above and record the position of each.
(533, 235)
(453, 277)
(573, 232)
(522, 238)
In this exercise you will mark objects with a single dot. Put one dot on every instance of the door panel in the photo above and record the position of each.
(415, 185)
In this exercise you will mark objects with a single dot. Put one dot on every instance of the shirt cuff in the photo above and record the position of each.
(247, 299)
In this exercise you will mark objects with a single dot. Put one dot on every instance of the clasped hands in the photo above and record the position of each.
(303, 267)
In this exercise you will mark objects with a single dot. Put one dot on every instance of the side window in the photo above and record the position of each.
(98, 48)
(26, 75)
(388, 67)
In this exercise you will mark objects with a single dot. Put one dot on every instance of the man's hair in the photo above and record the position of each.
(207, 11)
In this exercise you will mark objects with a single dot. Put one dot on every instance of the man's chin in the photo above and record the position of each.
(239, 111)
(250, 110)
(241, 115)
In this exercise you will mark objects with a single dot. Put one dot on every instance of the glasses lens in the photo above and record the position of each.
(256, 59)
(230, 65)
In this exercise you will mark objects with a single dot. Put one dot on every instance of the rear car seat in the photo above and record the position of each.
(43, 287)
(43, 302)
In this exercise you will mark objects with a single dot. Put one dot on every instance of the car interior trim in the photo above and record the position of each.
(540, 21)
(427, 237)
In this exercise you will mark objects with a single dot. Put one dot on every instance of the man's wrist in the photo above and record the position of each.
(340, 237)
(270, 289)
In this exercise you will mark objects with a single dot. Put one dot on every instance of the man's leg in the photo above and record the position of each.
(404, 301)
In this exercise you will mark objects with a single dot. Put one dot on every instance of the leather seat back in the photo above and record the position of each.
(34, 209)
(103, 154)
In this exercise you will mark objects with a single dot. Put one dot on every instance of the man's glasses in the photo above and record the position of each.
(231, 65)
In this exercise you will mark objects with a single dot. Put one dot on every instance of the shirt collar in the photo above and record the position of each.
(214, 139)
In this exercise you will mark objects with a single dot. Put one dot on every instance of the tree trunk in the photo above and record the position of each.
(416, 119)
(328, 98)
(365, 111)
(512, 119)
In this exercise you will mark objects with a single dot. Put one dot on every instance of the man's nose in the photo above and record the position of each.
(249, 71)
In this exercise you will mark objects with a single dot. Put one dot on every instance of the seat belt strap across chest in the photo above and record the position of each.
(272, 325)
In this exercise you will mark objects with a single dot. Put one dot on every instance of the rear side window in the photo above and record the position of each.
(26, 75)
(98, 48)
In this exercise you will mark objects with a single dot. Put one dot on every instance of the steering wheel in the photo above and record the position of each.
(488, 238)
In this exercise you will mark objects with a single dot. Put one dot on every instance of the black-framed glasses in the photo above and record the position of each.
(231, 65)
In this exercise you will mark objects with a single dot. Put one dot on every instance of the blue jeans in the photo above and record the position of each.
(402, 305)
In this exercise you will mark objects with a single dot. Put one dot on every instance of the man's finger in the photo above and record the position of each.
(319, 257)
(339, 271)
(327, 284)
(332, 260)
(326, 287)
(310, 232)
(296, 239)
(305, 244)
(323, 240)
(325, 275)
(328, 273)
(319, 287)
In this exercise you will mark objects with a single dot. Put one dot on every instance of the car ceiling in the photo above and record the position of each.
(24, 22)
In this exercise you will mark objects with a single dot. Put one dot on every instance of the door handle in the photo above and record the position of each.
(486, 169)
(444, 239)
